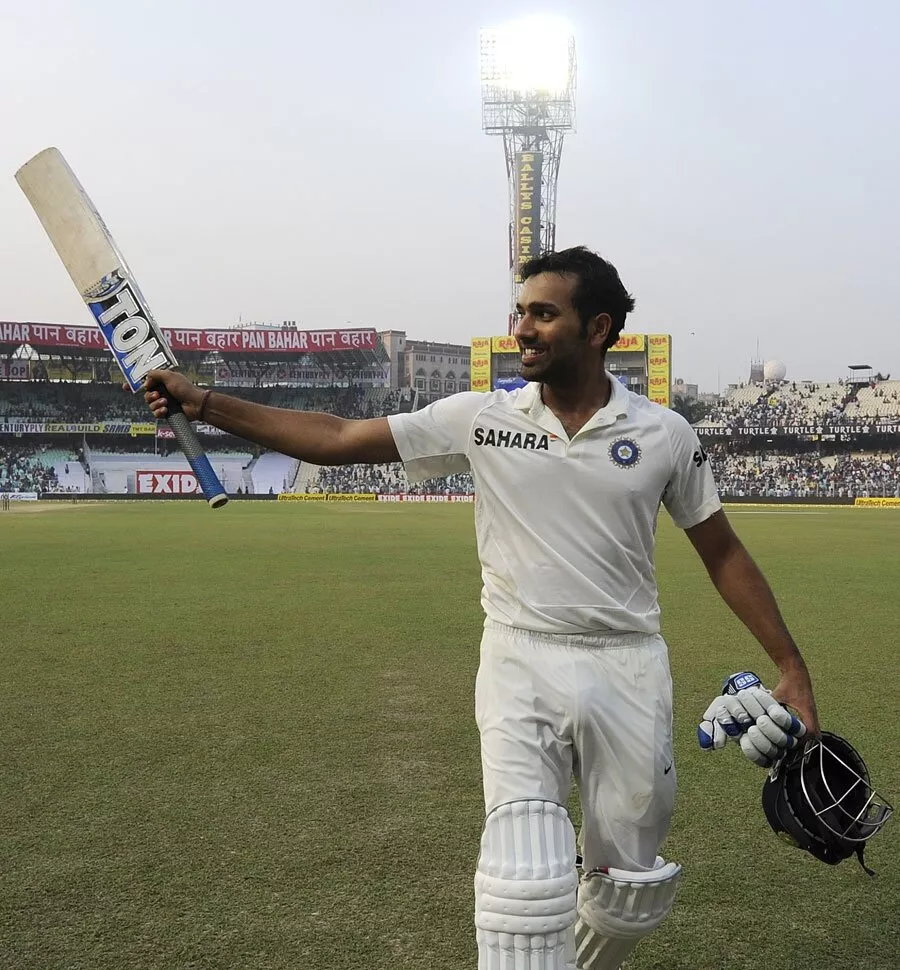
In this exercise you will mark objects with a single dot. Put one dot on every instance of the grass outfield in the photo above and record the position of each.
(244, 739)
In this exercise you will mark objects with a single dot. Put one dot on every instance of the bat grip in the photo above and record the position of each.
(209, 482)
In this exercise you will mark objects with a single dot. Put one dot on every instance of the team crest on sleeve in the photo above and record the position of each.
(625, 452)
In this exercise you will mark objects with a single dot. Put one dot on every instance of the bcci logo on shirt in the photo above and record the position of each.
(625, 452)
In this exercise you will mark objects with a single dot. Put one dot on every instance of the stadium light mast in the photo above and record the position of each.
(528, 98)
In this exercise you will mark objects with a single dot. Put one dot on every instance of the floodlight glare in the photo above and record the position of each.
(528, 98)
(532, 55)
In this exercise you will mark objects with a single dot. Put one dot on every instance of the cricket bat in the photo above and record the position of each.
(104, 281)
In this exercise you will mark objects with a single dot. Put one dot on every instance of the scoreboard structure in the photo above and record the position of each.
(641, 361)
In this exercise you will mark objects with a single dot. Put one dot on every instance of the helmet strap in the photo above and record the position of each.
(860, 855)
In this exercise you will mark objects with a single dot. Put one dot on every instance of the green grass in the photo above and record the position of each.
(244, 739)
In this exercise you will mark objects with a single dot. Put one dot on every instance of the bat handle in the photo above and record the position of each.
(209, 482)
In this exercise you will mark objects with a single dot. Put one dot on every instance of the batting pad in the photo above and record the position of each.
(618, 908)
(525, 888)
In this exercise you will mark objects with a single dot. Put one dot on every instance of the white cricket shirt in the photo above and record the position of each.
(565, 528)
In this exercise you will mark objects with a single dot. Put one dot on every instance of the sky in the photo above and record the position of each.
(324, 163)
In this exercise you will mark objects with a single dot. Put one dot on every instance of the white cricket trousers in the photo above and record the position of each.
(596, 707)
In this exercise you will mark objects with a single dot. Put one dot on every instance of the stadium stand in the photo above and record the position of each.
(87, 402)
(271, 473)
(71, 476)
(115, 472)
(107, 463)
(62, 401)
(806, 475)
(348, 402)
(27, 468)
(880, 401)
(385, 480)
(784, 404)
(770, 467)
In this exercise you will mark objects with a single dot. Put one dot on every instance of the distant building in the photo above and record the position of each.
(431, 368)
(690, 392)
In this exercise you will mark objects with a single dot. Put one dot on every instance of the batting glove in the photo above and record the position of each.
(747, 713)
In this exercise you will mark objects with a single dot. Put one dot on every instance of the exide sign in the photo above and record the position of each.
(166, 483)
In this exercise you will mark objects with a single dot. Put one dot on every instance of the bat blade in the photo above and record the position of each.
(103, 280)
(96, 266)
(78, 233)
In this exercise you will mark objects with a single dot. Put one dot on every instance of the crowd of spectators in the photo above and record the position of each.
(85, 403)
(60, 401)
(780, 404)
(347, 402)
(22, 469)
(357, 480)
(807, 475)
(387, 479)
(739, 475)
(793, 404)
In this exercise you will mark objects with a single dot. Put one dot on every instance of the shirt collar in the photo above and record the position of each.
(529, 399)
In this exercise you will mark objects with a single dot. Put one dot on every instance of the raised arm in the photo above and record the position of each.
(744, 588)
(312, 436)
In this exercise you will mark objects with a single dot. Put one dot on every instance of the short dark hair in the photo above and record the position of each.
(599, 288)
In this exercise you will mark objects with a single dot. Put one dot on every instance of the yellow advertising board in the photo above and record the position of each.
(659, 368)
(504, 345)
(630, 341)
(327, 497)
(480, 364)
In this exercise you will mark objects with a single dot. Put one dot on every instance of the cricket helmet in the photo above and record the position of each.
(819, 799)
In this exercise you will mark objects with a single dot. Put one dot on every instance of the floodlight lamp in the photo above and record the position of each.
(532, 55)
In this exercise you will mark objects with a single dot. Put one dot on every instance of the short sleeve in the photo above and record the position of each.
(691, 495)
(434, 442)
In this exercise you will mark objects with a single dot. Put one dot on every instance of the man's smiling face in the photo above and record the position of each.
(552, 338)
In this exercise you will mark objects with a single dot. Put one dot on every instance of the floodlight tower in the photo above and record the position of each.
(528, 97)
